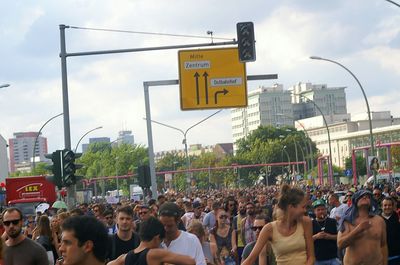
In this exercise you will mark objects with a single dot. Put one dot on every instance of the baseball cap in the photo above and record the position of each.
(196, 204)
(169, 209)
(317, 203)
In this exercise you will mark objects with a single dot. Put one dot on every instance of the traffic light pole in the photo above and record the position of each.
(71, 191)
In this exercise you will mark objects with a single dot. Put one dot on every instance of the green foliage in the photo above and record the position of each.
(40, 169)
(103, 160)
(395, 152)
(360, 165)
(266, 144)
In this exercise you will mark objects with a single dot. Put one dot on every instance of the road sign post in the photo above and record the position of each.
(212, 78)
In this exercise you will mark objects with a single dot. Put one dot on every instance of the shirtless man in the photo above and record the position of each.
(363, 234)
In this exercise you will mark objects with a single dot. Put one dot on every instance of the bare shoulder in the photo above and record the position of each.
(306, 220)
(267, 230)
(378, 220)
(118, 261)
(268, 227)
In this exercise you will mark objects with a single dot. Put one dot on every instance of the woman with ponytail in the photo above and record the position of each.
(291, 234)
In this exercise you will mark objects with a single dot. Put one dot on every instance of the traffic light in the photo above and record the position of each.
(56, 168)
(68, 158)
(144, 176)
(69, 167)
(246, 41)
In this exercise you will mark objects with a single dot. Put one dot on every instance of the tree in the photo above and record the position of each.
(171, 162)
(266, 144)
(102, 160)
(395, 152)
(360, 165)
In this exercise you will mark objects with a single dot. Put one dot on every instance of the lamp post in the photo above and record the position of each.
(371, 137)
(36, 139)
(4, 85)
(330, 169)
(97, 128)
(288, 158)
(305, 144)
(394, 3)
(184, 141)
(295, 149)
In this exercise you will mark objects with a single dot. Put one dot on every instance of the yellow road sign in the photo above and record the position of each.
(212, 78)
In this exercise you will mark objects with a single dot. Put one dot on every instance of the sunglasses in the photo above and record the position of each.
(14, 222)
(256, 228)
(377, 194)
(223, 216)
(143, 212)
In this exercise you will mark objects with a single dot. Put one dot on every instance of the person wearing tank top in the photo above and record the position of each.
(148, 252)
(290, 235)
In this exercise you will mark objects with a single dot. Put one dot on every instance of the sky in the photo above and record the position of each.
(107, 90)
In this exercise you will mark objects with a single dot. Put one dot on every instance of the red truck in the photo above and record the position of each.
(27, 192)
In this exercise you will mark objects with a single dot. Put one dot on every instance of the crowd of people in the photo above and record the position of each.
(252, 226)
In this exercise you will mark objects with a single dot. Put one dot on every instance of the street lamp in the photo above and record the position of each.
(330, 169)
(184, 141)
(305, 144)
(295, 149)
(288, 158)
(4, 85)
(97, 128)
(371, 137)
(37, 136)
(396, 4)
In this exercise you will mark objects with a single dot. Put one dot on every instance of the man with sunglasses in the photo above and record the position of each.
(110, 221)
(144, 214)
(265, 256)
(19, 249)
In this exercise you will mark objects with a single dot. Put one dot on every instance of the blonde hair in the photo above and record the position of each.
(197, 228)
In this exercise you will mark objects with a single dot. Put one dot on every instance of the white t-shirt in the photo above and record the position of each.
(338, 211)
(187, 218)
(189, 245)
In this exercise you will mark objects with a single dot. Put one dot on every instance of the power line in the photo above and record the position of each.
(148, 33)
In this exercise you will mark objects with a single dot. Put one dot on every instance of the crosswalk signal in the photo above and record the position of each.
(56, 168)
(246, 41)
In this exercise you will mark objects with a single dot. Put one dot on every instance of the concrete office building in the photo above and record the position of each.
(21, 149)
(125, 137)
(95, 140)
(331, 100)
(265, 107)
(346, 133)
(3, 159)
